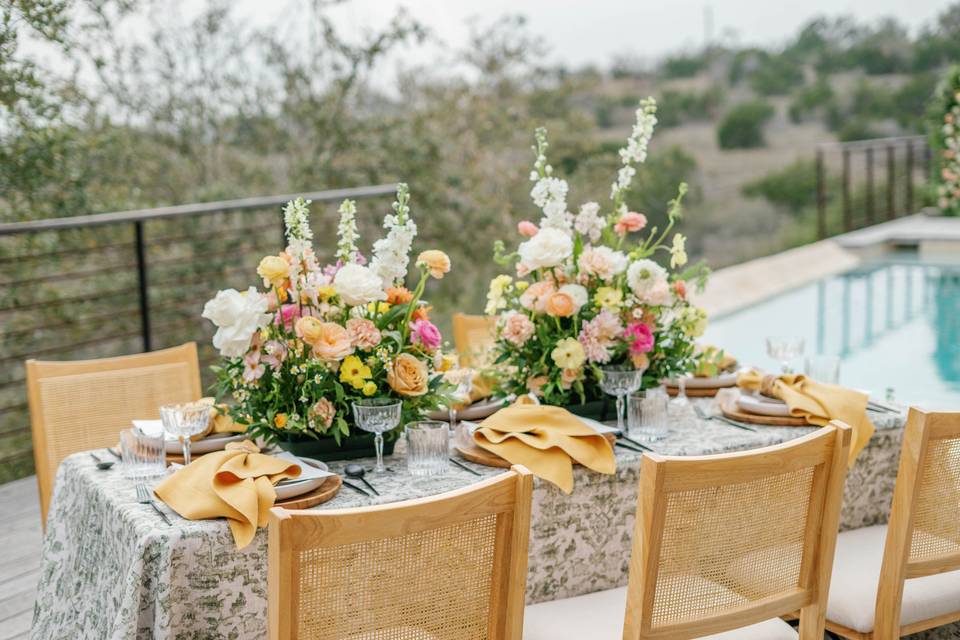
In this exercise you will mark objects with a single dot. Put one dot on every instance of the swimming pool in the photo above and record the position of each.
(894, 321)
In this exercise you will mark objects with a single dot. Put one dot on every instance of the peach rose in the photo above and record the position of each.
(329, 340)
(436, 262)
(535, 385)
(535, 297)
(407, 375)
(560, 304)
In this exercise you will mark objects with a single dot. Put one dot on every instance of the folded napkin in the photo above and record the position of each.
(817, 402)
(220, 421)
(546, 440)
(236, 484)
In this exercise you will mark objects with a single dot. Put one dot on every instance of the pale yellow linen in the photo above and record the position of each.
(546, 440)
(817, 402)
(236, 484)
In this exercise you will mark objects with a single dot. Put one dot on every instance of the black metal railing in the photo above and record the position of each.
(108, 284)
(851, 168)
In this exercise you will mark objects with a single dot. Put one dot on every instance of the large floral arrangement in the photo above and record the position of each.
(946, 142)
(320, 337)
(588, 291)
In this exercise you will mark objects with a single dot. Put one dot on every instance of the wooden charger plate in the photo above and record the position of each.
(734, 413)
(475, 453)
(329, 488)
(695, 393)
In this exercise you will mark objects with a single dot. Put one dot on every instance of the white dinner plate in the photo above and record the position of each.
(711, 382)
(477, 411)
(312, 475)
(213, 442)
(763, 406)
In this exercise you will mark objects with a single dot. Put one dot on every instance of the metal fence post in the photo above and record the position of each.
(909, 178)
(891, 181)
(870, 209)
(847, 208)
(142, 286)
(821, 198)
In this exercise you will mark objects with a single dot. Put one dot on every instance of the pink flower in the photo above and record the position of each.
(640, 338)
(680, 289)
(569, 376)
(522, 270)
(516, 328)
(608, 325)
(274, 353)
(630, 222)
(659, 294)
(425, 333)
(323, 411)
(287, 316)
(598, 335)
(536, 296)
(602, 262)
(527, 229)
(363, 333)
(252, 367)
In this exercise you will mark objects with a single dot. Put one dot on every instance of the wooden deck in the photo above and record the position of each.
(20, 541)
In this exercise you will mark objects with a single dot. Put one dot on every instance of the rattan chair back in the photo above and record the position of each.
(726, 541)
(448, 567)
(84, 404)
(473, 338)
(923, 535)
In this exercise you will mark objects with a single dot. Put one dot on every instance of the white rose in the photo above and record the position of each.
(548, 248)
(577, 293)
(643, 275)
(357, 284)
(238, 316)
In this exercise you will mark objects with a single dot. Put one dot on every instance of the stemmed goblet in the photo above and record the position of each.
(377, 416)
(785, 349)
(620, 381)
(185, 421)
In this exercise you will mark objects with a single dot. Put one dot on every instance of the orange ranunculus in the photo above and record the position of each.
(422, 312)
(329, 340)
(408, 375)
(436, 262)
(399, 295)
(309, 329)
(560, 304)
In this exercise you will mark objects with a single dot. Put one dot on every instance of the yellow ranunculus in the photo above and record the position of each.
(379, 307)
(568, 354)
(369, 388)
(280, 420)
(608, 298)
(354, 372)
(678, 252)
(326, 292)
(522, 285)
(436, 262)
(274, 270)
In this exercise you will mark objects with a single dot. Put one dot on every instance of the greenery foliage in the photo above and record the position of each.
(742, 126)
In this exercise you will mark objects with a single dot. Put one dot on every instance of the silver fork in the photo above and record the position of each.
(703, 416)
(143, 497)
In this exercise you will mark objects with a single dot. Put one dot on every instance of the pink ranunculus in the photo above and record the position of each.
(287, 316)
(527, 228)
(425, 333)
(363, 333)
(522, 270)
(516, 328)
(640, 337)
(630, 222)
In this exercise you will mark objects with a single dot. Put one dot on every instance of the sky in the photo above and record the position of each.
(585, 32)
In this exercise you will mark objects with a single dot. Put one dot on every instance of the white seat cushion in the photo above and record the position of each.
(856, 573)
(599, 616)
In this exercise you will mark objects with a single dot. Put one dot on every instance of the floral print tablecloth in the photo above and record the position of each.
(112, 569)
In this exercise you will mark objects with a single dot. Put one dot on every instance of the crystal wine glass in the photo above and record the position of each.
(785, 349)
(185, 421)
(377, 416)
(620, 381)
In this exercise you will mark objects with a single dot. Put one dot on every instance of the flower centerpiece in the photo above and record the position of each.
(945, 140)
(297, 354)
(587, 290)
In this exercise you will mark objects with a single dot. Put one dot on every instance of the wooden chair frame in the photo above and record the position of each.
(922, 428)
(38, 370)
(507, 496)
(826, 450)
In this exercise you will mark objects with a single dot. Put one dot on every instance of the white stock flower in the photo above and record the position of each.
(643, 276)
(636, 149)
(347, 232)
(588, 221)
(296, 217)
(391, 254)
(549, 248)
(577, 293)
(237, 316)
(550, 195)
(357, 284)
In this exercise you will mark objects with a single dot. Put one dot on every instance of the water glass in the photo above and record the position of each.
(377, 416)
(142, 456)
(785, 349)
(183, 421)
(824, 369)
(647, 414)
(620, 381)
(428, 447)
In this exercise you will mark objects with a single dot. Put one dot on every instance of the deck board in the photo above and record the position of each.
(21, 539)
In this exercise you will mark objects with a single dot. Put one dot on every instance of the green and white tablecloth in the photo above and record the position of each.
(113, 570)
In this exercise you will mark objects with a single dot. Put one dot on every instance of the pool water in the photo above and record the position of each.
(895, 323)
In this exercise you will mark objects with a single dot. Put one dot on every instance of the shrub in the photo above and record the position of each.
(793, 187)
(911, 100)
(677, 107)
(682, 66)
(742, 127)
(776, 75)
(809, 99)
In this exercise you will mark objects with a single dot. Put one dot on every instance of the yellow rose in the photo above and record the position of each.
(568, 354)
(407, 375)
(309, 329)
(274, 270)
(369, 388)
(436, 262)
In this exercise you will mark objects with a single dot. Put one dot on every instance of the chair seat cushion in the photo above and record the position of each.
(856, 573)
(599, 616)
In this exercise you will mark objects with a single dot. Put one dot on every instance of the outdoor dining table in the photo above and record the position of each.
(113, 569)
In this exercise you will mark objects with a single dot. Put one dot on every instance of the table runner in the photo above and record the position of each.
(112, 569)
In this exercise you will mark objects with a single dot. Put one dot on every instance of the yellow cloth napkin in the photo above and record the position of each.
(236, 484)
(219, 422)
(817, 402)
(546, 440)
